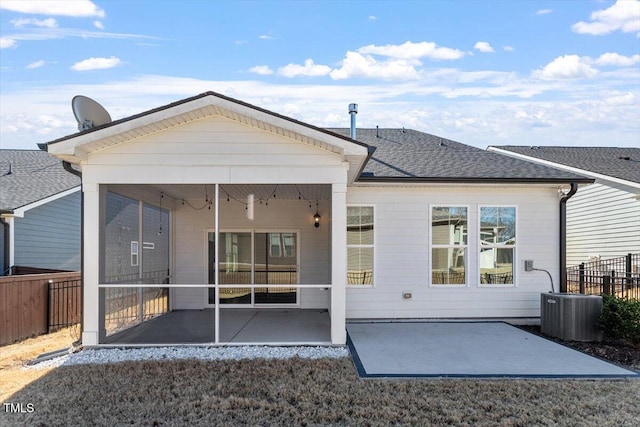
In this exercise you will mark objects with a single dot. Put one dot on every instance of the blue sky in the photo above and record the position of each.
(479, 72)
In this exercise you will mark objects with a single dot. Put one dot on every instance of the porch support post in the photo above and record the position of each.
(338, 263)
(90, 275)
(216, 279)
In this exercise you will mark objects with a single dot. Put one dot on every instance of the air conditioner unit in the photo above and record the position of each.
(571, 317)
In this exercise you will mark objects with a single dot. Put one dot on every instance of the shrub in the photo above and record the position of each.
(620, 318)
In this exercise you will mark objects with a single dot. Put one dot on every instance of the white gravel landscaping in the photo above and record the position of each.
(114, 355)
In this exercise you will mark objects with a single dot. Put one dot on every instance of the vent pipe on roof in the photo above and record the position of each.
(353, 110)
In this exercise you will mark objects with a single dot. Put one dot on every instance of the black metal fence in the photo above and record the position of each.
(64, 305)
(617, 276)
(128, 306)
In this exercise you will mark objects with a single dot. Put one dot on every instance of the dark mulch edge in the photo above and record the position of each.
(611, 350)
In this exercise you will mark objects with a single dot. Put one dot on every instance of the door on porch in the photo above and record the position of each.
(254, 258)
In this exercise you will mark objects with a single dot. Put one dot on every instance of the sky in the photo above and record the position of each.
(481, 72)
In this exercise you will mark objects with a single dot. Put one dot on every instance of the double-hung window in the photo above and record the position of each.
(449, 231)
(360, 246)
(497, 245)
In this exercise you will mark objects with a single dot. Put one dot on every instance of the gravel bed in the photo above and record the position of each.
(114, 355)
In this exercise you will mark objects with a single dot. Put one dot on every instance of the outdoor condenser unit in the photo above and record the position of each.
(571, 317)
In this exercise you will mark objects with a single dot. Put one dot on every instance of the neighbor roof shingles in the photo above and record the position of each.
(622, 163)
(407, 154)
(35, 175)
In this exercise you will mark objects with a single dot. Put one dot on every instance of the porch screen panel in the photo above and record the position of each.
(121, 246)
(155, 244)
(275, 264)
(234, 267)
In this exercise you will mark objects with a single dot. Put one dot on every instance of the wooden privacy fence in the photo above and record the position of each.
(30, 304)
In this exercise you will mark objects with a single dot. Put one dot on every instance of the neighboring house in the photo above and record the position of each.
(392, 224)
(39, 213)
(603, 219)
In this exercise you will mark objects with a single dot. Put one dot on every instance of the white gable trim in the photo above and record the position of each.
(568, 168)
(19, 212)
(76, 148)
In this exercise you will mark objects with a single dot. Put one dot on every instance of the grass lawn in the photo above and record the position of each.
(309, 392)
(12, 357)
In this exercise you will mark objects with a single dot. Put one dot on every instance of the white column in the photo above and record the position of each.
(338, 263)
(12, 241)
(216, 279)
(90, 275)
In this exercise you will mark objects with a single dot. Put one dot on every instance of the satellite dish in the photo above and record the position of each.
(89, 113)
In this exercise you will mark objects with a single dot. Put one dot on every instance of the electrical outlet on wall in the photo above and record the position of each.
(528, 265)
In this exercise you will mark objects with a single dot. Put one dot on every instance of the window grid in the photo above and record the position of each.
(449, 245)
(497, 245)
(360, 246)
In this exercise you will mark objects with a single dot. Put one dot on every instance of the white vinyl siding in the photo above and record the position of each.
(403, 233)
(602, 221)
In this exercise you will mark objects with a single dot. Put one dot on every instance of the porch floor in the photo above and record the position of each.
(237, 326)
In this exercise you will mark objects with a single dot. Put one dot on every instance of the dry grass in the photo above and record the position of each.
(14, 356)
(308, 392)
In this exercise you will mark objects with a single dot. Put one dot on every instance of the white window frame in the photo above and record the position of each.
(437, 246)
(514, 247)
(373, 246)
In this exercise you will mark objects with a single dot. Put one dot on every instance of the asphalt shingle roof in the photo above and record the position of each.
(622, 163)
(406, 154)
(27, 176)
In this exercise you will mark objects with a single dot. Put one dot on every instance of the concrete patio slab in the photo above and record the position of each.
(466, 349)
(237, 326)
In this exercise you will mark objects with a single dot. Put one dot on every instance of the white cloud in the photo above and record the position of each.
(6, 42)
(581, 112)
(409, 50)
(566, 67)
(36, 64)
(75, 8)
(96, 64)
(263, 70)
(484, 47)
(508, 48)
(47, 23)
(372, 17)
(265, 37)
(357, 65)
(240, 42)
(544, 11)
(309, 69)
(616, 59)
(623, 16)
(98, 24)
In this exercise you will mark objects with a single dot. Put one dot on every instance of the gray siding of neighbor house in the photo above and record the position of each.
(49, 235)
(602, 221)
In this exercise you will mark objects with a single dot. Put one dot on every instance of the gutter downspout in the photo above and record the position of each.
(563, 236)
(67, 166)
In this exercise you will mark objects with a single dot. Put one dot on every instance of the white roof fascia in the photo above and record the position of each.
(19, 212)
(568, 168)
(75, 146)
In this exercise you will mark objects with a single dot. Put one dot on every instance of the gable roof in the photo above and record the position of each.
(410, 155)
(28, 176)
(614, 162)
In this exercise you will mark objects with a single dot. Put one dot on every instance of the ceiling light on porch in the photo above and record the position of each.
(316, 219)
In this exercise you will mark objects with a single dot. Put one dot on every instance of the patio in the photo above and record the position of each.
(237, 326)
